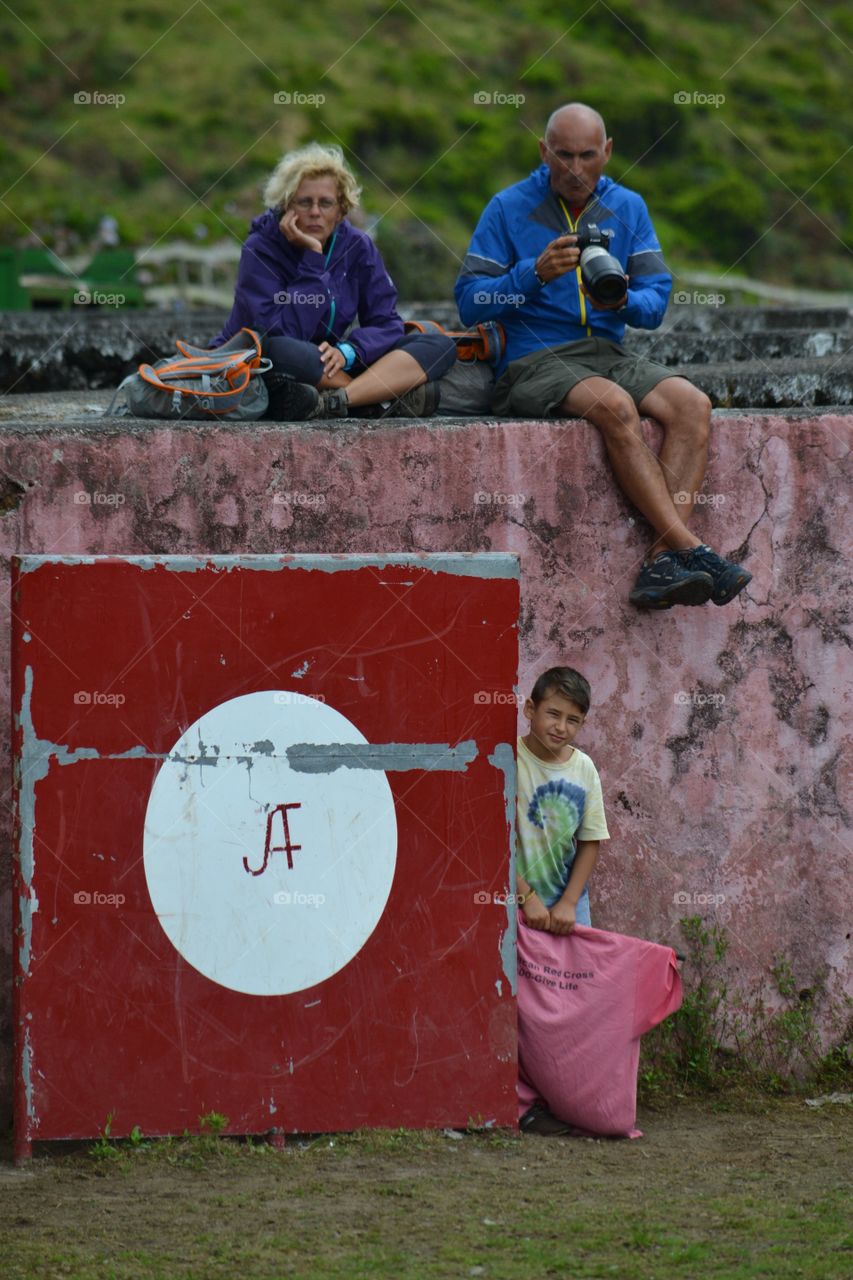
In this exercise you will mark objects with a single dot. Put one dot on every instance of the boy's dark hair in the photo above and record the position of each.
(565, 680)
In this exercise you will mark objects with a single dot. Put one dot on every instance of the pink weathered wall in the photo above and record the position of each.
(720, 734)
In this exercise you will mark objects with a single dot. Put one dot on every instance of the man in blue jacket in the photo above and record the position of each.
(563, 354)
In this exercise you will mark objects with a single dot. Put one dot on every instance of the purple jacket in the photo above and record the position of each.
(285, 291)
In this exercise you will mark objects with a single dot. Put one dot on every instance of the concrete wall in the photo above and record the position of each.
(719, 733)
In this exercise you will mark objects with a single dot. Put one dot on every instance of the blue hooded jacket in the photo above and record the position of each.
(497, 280)
(285, 291)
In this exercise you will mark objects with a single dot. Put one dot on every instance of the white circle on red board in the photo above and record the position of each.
(225, 786)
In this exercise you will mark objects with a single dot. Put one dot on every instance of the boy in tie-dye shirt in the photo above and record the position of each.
(560, 816)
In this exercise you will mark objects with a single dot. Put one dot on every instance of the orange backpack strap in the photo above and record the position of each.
(245, 341)
(425, 326)
(486, 342)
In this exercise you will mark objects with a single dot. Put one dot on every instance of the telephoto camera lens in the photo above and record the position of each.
(602, 274)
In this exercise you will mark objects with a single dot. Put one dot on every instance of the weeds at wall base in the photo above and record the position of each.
(767, 1042)
(190, 1149)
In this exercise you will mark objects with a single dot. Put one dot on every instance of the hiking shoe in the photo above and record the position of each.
(332, 403)
(538, 1119)
(420, 402)
(290, 401)
(667, 580)
(728, 578)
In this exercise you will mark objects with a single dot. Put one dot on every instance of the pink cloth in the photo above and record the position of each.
(584, 1001)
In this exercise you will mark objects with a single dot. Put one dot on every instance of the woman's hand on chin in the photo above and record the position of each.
(288, 228)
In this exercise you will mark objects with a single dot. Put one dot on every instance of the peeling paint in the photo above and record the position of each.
(27, 1075)
(29, 564)
(31, 768)
(28, 907)
(301, 671)
(484, 565)
(34, 765)
(311, 757)
(503, 758)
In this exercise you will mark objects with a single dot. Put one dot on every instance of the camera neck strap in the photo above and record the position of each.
(573, 222)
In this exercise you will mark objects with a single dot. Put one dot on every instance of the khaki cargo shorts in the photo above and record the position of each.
(537, 383)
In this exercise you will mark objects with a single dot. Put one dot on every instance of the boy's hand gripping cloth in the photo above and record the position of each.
(584, 1001)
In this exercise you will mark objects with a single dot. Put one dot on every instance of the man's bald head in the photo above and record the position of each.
(572, 114)
(576, 149)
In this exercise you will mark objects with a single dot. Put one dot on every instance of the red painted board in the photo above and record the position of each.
(260, 802)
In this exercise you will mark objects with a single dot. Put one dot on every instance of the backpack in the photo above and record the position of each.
(223, 383)
(486, 342)
(467, 388)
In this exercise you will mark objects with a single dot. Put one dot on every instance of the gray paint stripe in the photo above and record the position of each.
(487, 565)
(311, 757)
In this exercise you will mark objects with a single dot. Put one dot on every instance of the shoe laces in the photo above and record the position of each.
(703, 557)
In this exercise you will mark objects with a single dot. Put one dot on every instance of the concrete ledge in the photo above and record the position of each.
(720, 733)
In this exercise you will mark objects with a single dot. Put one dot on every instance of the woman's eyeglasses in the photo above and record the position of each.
(305, 205)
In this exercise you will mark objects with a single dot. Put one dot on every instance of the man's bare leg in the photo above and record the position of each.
(684, 412)
(651, 481)
(638, 471)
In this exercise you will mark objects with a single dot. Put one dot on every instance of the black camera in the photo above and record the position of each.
(602, 274)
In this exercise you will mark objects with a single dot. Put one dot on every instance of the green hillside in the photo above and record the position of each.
(758, 182)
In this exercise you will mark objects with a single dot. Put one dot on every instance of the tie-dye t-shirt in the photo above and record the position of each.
(558, 804)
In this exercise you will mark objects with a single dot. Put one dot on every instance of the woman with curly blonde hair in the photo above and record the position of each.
(306, 275)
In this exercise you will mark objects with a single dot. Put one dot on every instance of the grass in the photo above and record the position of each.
(704, 1195)
(398, 88)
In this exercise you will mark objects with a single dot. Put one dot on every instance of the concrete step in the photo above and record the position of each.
(52, 350)
(709, 318)
(675, 346)
(697, 318)
(784, 384)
